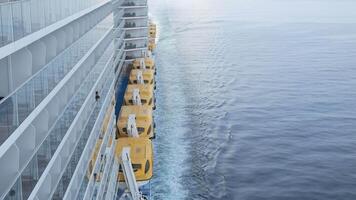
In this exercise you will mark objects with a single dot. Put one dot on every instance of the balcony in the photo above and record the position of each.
(134, 15)
(133, 26)
(130, 37)
(134, 47)
(133, 4)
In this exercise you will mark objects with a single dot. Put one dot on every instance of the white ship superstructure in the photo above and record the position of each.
(59, 65)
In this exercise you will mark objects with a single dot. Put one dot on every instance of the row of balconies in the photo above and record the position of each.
(29, 140)
(21, 18)
(17, 106)
(134, 14)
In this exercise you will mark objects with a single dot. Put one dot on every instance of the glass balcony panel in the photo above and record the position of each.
(25, 101)
(47, 12)
(17, 20)
(8, 118)
(6, 24)
(35, 15)
(26, 16)
(41, 10)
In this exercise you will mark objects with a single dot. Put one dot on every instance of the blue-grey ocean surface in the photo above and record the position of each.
(256, 99)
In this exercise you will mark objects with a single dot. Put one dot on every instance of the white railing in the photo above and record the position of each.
(105, 175)
(81, 169)
(50, 178)
(111, 191)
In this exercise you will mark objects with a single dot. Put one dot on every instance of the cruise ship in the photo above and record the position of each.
(64, 69)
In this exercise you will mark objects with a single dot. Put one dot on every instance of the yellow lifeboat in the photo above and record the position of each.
(141, 156)
(140, 94)
(151, 44)
(144, 121)
(148, 63)
(138, 75)
(152, 30)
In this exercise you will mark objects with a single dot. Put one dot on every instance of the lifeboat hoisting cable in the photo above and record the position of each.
(142, 63)
(139, 77)
(131, 126)
(136, 98)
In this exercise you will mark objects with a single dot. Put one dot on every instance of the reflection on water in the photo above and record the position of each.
(255, 99)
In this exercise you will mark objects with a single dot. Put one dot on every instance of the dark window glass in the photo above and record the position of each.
(136, 167)
(149, 130)
(140, 129)
(147, 166)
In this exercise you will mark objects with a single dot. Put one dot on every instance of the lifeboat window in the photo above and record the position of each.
(149, 130)
(140, 129)
(147, 166)
(150, 102)
(136, 167)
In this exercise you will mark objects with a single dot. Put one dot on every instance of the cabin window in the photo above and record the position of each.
(143, 101)
(145, 81)
(124, 130)
(152, 81)
(150, 103)
(147, 166)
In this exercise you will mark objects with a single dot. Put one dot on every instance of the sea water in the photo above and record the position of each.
(256, 99)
